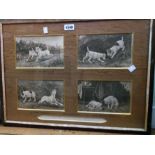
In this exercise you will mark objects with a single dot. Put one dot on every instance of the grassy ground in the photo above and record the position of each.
(53, 61)
(35, 105)
(123, 108)
(107, 63)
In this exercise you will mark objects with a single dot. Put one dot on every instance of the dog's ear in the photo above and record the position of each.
(87, 48)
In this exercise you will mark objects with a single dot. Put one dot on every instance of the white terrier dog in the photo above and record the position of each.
(94, 105)
(51, 99)
(28, 95)
(115, 48)
(111, 102)
(41, 53)
(32, 54)
(91, 55)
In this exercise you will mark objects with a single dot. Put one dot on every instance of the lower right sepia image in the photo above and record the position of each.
(104, 96)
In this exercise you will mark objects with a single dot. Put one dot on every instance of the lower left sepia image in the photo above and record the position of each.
(46, 95)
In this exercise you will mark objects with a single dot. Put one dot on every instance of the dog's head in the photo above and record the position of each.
(37, 49)
(54, 91)
(22, 93)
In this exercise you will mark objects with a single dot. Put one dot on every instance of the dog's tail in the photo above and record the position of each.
(87, 49)
(122, 38)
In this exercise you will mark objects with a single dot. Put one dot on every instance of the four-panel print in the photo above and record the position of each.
(82, 74)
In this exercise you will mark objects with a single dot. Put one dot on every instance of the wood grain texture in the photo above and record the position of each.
(4, 130)
(0, 76)
(71, 74)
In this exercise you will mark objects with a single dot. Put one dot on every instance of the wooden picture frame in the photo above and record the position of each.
(0, 79)
(108, 93)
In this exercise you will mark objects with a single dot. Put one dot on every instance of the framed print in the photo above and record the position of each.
(39, 52)
(95, 77)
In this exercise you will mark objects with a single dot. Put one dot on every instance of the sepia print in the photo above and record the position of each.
(41, 95)
(39, 52)
(104, 96)
(110, 50)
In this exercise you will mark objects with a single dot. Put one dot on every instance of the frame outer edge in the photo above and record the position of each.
(148, 76)
(1, 108)
(3, 76)
(149, 81)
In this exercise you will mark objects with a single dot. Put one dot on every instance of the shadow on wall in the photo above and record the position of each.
(0, 111)
(153, 108)
(153, 118)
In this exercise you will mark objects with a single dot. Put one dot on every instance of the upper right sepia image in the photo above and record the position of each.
(105, 51)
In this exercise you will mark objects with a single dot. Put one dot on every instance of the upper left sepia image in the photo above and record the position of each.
(39, 52)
